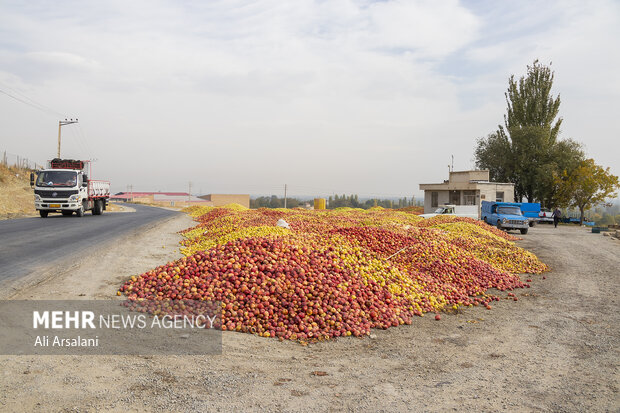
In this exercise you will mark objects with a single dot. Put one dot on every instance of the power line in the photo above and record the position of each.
(32, 103)
(78, 134)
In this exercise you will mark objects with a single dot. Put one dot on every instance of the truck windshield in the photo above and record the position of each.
(57, 178)
(509, 210)
(439, 211)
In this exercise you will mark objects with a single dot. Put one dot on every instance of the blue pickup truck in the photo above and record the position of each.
(505, 216)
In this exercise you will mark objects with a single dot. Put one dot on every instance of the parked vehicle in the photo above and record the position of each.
(65, 186)
(504, 215)
(469, 211)
(531, 210)
(545, 215)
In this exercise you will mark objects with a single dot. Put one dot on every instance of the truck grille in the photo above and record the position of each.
(516, 222)
(56, 193)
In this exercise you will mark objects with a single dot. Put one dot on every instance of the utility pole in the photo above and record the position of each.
(284, 196)
(189, 194)
(62, 123)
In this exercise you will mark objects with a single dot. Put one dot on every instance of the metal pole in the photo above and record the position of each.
(284, 196)
(59, 126)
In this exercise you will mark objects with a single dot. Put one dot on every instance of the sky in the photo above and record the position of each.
(334, 96)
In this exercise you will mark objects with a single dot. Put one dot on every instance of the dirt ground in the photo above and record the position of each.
(16, 196)
(556, 349)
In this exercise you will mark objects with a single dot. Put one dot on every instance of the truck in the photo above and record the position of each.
(545, 215)
(531, 210)
(469, 211)
(505, 216)
(66, 186)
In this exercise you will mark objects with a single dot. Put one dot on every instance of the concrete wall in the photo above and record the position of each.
(466, 176)
(489, 192)
(182, 203)
(443, 197)
(224, 199)
(170, 201)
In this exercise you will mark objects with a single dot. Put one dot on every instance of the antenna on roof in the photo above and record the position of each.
(452, 167)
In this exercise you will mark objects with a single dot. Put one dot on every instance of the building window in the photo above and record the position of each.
(434, 199)
(455, 197)
(469, 197)
(499, 196)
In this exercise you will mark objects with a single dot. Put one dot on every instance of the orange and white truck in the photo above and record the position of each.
(66, 186)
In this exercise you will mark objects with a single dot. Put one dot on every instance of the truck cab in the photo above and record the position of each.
(504, 215)
(66, 188)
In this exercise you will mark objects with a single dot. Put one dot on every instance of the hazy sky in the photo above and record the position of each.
(326, 96)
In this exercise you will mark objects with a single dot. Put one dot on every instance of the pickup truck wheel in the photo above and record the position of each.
(43, 213)
(67, 213)
(499, 225)
(485, 220)
(98, 208)
(524, 231)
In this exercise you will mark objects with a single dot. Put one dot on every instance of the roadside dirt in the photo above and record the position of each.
(556, 349)
(16, 196)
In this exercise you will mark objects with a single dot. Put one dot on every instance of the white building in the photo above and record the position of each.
(466, 188)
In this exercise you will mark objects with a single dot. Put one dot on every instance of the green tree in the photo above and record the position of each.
(586, 186)
(526, 149)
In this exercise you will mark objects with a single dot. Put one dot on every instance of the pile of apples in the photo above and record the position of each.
(334, 273)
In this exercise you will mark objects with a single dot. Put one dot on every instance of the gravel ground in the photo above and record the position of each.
(555, 349)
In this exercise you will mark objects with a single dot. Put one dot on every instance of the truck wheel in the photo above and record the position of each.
(97, 208)
(524, 231)
(499, 225)
(67, 213)
(80, 212)
(43, 213)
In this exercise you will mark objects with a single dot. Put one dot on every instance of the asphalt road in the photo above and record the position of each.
(30, 243)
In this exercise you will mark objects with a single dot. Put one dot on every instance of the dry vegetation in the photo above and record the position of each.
(16, 196)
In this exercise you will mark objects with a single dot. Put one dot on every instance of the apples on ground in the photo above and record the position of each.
(336, 272)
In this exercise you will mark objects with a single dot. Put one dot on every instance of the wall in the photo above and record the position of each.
(224, 199)
(466, 176)
(490, 190)
(180, 203)
(443, 197)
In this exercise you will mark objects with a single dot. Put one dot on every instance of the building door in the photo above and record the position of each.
(455, 197)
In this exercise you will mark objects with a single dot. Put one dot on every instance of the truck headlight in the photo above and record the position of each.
(37, 197)
(73, 197)
(505, 220)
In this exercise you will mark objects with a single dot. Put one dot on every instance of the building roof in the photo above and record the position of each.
(176, 198)
(477, 179)
(446, 186)
(136, 194)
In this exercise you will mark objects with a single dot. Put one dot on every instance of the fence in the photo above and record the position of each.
(10, 159)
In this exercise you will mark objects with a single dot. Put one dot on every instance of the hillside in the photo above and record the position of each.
(16, 196)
